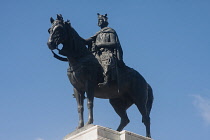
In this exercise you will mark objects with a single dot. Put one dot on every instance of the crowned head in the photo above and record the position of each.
(102, 20)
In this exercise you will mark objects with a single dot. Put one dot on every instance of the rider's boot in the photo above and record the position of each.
(105, 83)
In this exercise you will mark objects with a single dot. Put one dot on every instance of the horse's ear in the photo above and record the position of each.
(52, 20)
(59, 17)
(98, 14)
(105, 15)
(68, 21)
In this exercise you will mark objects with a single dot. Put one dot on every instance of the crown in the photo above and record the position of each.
(104, 17)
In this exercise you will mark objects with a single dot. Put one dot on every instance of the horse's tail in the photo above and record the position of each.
(150, 99)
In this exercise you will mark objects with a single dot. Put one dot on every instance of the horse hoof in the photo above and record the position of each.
(148, 135)
(123, 124)
(79, 127)
(89, 122)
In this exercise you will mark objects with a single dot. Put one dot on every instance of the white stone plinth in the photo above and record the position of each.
(95, 132)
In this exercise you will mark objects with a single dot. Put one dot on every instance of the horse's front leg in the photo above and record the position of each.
(90, 98)
(79, 95)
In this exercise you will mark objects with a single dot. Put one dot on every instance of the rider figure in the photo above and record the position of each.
(106, 46)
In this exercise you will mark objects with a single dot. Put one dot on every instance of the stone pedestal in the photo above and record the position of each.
(95, 132)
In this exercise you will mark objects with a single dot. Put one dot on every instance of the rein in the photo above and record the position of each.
(59, 57)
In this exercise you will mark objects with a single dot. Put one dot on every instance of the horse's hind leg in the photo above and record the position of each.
(120, 106)
(141, 105)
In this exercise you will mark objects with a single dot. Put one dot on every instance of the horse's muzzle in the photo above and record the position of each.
(51, 45)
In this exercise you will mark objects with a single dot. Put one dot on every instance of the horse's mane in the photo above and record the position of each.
(78, 43)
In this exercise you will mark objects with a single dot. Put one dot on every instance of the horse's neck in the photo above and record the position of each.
(76, 47)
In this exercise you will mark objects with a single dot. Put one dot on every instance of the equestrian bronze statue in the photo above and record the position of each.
(99, 71)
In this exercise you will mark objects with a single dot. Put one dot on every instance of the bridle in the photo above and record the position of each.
(54, 54)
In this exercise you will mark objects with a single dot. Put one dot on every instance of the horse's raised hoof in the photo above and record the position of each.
(123, 124)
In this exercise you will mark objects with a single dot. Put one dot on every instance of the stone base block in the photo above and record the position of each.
(95, 132)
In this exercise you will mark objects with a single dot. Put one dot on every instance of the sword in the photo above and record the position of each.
(118, 80)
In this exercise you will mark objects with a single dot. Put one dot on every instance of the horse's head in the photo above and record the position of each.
(58, 32)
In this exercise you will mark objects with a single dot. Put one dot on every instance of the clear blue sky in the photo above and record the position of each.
(167, 41)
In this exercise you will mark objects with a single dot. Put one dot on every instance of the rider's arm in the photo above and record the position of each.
(87, 41)
(90, 40)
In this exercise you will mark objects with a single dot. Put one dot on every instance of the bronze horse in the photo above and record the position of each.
(85, 73)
